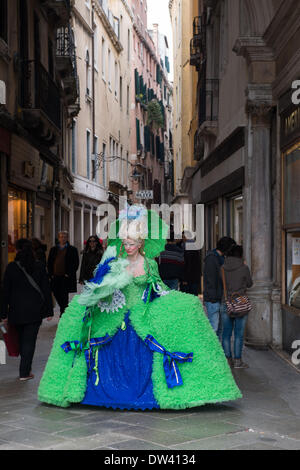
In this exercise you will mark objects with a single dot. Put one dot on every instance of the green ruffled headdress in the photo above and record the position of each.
(138, 223)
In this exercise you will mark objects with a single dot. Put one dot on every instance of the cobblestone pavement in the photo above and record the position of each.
(268, 416)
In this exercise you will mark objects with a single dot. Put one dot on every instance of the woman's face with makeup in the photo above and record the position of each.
(131, 246)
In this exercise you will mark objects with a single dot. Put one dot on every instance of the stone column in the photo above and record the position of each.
(259, 227)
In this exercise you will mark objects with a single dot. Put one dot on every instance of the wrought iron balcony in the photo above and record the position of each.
(40, 98)
(198, 44)
(66, 64)
(208, 100)
(198, 27)
(65, 50)
(60, 9)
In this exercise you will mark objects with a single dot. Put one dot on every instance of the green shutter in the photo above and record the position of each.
(138, 136)
(167, 63)
(147, 138)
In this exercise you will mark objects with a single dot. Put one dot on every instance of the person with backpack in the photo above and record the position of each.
(25, 301)
(236, 280)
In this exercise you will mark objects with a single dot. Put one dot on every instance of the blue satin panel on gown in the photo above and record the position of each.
(125, 368)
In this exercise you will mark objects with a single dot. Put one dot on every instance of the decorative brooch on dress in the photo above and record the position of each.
(153, 291)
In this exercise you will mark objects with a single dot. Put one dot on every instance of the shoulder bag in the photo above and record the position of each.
(237, 305)
(31, 280)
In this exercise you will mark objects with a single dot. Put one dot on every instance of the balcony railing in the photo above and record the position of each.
(67, 65)
(198, 26)
(65, 44)
(209, 100)
(198, 44)
(39, 92)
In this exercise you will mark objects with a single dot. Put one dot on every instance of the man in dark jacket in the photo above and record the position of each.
(171, 263)
(63, 262)
(192, 266)
(213, 286)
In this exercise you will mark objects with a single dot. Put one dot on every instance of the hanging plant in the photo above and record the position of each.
(155, 115)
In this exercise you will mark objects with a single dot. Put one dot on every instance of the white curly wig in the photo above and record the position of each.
(134, 229)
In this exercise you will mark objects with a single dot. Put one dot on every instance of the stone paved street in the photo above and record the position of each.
(268, 417)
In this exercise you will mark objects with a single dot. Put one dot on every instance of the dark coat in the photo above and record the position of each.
(192, 265)
(72, 263)
(21, 303)
(237, 276)
(90, 260)
(213, 285)
(171, 262)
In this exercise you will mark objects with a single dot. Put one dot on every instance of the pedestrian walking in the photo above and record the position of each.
(237, 280)
(192, 266)
(213, 285)
(26, 301)
(63, 262)
(171, 263)
(91, 257)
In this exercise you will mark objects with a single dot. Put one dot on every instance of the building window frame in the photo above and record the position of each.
(88, 153)
(290, 232)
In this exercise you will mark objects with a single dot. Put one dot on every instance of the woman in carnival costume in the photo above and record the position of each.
(128, 341)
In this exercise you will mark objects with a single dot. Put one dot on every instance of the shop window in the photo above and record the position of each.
(234, 212)
(292, 227)
(293, 269)
(19, 219)
(292, 187)
(213, 233)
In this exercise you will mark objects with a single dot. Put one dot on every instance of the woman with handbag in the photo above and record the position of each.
(26, 301)
(236, 279)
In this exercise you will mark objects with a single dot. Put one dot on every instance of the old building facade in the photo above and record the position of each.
(151, 129)
(38, 99)
(248, 133)
(101, 133)
(185, 119)
(69, 107)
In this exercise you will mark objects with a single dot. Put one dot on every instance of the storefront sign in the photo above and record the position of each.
(292, 122)
(144, 194)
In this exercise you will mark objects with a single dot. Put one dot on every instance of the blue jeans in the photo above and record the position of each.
(171, 283)
(214, 314)
(238, 326)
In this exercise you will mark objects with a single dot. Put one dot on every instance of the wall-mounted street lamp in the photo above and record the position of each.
(100, 159)
(136, 175)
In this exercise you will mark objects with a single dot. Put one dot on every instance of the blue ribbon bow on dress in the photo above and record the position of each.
(173, 376)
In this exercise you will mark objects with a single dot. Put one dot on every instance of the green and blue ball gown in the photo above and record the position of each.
(131, 343)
